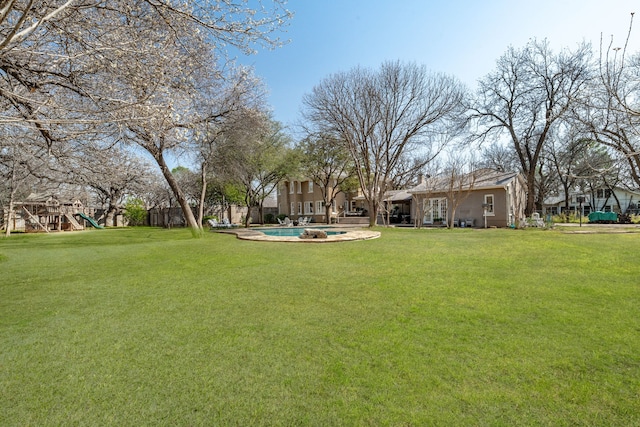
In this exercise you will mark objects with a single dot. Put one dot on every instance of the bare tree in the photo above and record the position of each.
(528, 94)
(459, 180)
(255, 157)
(613, 111)
(382, 116)
(499, 157)
(229, 107)
(112, 173)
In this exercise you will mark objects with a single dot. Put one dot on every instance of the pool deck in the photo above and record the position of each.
(350, 234)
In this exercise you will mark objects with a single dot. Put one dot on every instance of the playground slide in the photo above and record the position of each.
(91, 220)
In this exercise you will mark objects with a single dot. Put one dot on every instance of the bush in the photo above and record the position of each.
(571, 218)
(269, 219)
(135, 212)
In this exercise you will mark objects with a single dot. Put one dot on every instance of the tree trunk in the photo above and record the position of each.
(7, 222)
(327, 210)
(453, 215)
(111, 213)
(203, 193)
(247, 219)
(531, 192)
(373, 214)
(196, 230)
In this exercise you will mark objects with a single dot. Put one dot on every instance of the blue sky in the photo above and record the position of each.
(460, 37)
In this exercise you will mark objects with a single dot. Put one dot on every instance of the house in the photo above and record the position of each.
(616, 199)
(483, 198)
(300, 197)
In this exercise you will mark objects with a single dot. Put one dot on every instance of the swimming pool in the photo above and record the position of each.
(296, 231)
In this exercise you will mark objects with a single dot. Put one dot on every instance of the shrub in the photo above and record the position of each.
(135, 212)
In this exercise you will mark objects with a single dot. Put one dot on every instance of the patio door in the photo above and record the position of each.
(435, 210)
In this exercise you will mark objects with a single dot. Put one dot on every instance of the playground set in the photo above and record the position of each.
(44, 213)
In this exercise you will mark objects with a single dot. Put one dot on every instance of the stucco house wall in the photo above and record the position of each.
(506, 191)
(298, 198)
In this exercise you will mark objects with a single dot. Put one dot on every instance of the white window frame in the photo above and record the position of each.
(435, 208)
(291, 185)
(293, 208)
(299, 187)
(299, 208)
(319, 206)
(489, 199)
(308, 208)
(310, 187)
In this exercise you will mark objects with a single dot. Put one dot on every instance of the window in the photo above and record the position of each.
(310, 188)
(488, 205)
(291, 184)
(299, 208)
(308, 208)
(319, 206)
(603, 193)
(299, 187)
(293, 209)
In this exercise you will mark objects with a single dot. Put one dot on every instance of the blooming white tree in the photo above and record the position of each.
(130, 70)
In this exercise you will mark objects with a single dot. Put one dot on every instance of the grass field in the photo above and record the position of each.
(419, 327)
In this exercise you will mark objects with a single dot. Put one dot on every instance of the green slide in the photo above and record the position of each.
(91, 220)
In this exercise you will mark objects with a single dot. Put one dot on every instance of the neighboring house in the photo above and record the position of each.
(615, 199)
(484, 198)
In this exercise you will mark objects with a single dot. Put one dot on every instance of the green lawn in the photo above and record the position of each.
(419, 327)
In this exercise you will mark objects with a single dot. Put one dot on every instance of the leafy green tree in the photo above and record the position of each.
(135, 212)
(329, 165)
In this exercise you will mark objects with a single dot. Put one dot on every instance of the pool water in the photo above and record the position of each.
(295, 231)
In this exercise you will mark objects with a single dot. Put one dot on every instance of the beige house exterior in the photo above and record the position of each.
(486, 198)
(299, 198)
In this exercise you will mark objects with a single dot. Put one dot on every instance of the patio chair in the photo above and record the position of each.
(227, 224)
(303, 221)
(536, 220)
(213, 223)
(287, 222)
(281, 222)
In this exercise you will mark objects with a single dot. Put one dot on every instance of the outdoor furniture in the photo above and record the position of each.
(227, 224)
(536, 220)
(213, 223)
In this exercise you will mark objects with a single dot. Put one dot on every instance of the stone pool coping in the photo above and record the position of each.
(350, 234)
